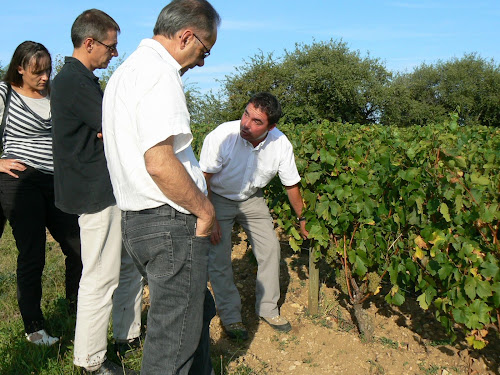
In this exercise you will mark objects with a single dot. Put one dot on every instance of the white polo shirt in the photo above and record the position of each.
(239, 168)
(143, 105)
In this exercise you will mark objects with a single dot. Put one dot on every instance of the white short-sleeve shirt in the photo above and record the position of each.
(239, 169)
(143, 105)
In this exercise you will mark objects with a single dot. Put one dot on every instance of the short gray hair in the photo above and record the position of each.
(199, 14)
(93, 23)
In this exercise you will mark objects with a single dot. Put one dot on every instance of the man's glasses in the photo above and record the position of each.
(111, 49)
(205, 54)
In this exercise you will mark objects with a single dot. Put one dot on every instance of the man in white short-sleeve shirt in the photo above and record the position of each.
(238, 159)
(159, 186)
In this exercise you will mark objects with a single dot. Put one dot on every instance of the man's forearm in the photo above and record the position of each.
(175, 182)
(295, 199)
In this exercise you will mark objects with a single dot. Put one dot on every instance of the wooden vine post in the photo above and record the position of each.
(313, 283)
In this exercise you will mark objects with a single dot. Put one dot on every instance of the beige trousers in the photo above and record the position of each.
(110, 282)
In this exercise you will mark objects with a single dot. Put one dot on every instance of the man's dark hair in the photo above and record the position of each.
(268, 104)
(25, 54)
(179, 14)
(93, 23)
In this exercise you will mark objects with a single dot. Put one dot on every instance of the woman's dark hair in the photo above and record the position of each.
(268, 104)
(25, 54)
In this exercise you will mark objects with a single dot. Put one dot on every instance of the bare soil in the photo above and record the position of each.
(407, 340)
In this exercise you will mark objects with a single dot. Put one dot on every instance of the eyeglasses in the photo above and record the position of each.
(205, 54)
(111, 49)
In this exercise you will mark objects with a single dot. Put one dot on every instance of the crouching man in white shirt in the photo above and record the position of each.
(238, 159)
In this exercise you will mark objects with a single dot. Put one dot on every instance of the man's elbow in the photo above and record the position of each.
(154, 169)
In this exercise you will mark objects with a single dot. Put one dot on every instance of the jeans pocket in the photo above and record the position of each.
(155, 251)
(200, 248)
(202, 243)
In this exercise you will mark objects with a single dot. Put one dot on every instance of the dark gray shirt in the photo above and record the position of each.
(81, 177)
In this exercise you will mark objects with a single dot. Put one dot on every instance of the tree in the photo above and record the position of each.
(413, 99)
(321, 81)
(469, 86)
(327, 81)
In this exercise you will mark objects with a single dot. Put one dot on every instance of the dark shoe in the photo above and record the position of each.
(278, 323)
(127, 349)
(236, 331)
(110, 368)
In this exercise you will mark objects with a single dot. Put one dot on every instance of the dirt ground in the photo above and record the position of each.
(407, 340)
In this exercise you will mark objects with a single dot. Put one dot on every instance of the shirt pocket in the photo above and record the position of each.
(262, 177)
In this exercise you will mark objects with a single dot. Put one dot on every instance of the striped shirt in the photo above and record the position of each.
(27, 136)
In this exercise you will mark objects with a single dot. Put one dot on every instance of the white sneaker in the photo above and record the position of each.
(41, 338)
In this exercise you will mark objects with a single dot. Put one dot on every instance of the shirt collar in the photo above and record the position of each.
(259, 146)
(82, 68)
(162, 51)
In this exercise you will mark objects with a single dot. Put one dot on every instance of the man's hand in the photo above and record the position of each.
(295, 199)
(303, 231)
(216, 234)
(7, 165)
(173, 180)
(204, 227)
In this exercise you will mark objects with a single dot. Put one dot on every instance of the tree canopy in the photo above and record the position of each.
(328, 81)
(469, 86)
(321, 81)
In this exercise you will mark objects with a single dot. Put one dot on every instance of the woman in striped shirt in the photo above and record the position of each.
(27, 185)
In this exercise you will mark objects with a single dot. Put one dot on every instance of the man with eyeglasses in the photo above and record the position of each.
(110, 281)
(160, 187)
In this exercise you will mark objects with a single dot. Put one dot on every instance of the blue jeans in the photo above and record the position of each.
(163, 245)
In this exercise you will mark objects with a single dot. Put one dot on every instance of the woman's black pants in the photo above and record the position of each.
(28, 204)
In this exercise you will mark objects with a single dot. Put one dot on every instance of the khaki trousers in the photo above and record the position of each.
(110, 282)
(253, 215)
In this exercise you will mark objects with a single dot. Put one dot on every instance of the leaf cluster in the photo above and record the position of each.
(418, 207)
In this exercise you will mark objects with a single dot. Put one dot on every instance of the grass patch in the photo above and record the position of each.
(388, 342)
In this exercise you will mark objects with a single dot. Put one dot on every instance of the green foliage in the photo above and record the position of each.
(419, 208)
(470, 86)
(207, 109)
(57, 64)
(328, 81)
(324, 80)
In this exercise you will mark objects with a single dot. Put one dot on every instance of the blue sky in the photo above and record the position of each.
(403, 34)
